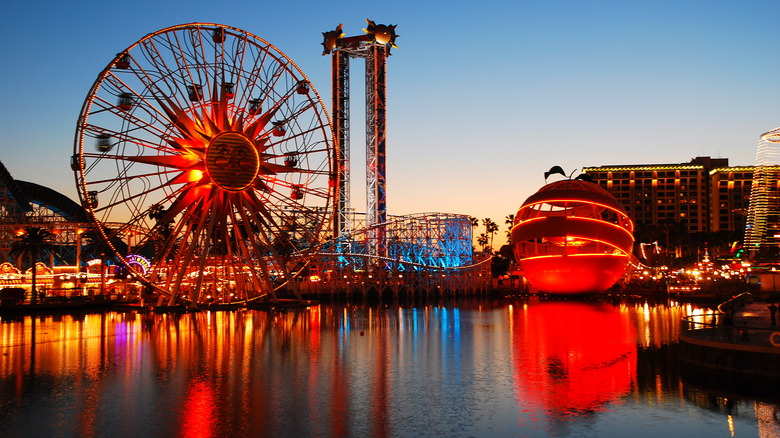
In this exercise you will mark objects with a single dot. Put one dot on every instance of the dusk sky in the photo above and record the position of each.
(483, 97)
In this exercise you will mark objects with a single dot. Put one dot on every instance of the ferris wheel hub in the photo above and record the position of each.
(232, 161)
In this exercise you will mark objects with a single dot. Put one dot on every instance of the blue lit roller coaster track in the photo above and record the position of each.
(425, 241)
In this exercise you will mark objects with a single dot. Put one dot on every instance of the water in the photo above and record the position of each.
(468, 368)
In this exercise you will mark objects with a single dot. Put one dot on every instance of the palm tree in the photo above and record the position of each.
(490, 229)
(94, 245)
(474, 224)
(482, 240)
(510, 221)
(33, 242)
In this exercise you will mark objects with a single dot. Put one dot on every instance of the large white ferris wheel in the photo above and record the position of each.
(215, 151)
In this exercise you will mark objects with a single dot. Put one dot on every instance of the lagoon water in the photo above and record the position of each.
(479, 367)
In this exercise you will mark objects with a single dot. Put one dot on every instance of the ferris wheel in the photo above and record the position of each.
(214, 151)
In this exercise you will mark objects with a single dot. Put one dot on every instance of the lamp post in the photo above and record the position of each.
(79, 232)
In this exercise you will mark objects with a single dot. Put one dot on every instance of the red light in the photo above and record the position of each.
(571, 358)
(198, 411)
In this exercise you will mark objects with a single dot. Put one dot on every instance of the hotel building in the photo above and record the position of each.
(705, 195)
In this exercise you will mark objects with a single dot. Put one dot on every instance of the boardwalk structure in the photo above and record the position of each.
(739, 341)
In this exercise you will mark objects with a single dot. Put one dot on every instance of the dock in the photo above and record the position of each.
(744, 344)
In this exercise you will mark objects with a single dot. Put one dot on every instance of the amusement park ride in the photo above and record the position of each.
(572, 237)
(208, 153)
(374, 47)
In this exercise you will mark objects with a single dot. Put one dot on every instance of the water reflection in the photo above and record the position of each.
(571, 358)
(478, 367)
(733, 406)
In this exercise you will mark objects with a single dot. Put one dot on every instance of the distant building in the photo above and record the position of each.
(661, 194)
(730, 189)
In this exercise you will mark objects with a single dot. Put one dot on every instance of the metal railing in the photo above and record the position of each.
(721, 326)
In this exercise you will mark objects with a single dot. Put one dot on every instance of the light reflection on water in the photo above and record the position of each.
(467, 368)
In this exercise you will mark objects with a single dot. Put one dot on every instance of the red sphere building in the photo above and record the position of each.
(572, 237)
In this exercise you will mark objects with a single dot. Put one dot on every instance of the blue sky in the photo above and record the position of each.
(483, 97)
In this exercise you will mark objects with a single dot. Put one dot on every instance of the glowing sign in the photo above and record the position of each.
(7, 268)
(137, 260)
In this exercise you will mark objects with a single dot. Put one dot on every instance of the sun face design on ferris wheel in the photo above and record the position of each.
(206, 149)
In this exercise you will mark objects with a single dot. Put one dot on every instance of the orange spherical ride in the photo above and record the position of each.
(572, 237)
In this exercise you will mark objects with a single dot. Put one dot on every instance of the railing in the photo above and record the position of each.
(737, 301)
(732, 334)
(721, 327)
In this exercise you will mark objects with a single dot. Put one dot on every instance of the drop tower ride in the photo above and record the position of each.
(374, 47)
